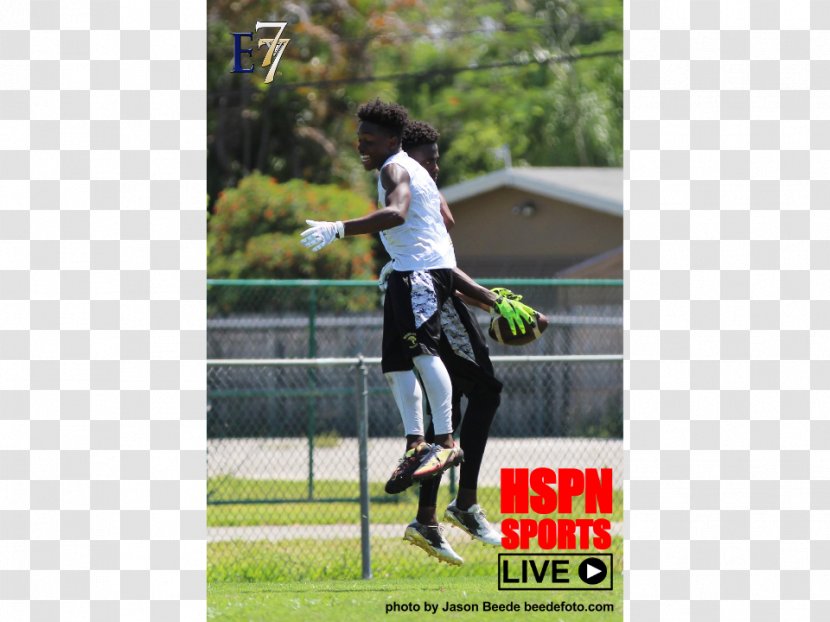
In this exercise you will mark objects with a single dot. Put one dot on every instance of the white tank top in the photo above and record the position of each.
(422, 242)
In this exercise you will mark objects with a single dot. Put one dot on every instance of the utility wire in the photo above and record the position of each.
(452, 34)
(448, 71)
(442, 71)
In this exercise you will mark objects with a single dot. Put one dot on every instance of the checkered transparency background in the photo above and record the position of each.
(102, 374)
(101, 288)
(728, 300)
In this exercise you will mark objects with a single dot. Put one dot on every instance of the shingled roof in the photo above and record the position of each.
(600, 189)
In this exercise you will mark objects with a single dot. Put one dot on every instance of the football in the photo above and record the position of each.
(500, 331)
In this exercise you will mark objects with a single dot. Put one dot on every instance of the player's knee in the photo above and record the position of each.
(487, 403)
(488, 395)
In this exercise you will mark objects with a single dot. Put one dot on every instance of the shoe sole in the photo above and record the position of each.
(452, 520)
(438, 471)
(390, 491)
(422, 544)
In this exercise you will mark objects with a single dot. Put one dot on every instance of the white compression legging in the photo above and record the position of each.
(407, 393)
(408, 396)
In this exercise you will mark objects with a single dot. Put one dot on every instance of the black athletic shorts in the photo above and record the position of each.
(411, 316)
(464, 351)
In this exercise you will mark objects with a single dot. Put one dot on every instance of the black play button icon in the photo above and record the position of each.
(592, 571)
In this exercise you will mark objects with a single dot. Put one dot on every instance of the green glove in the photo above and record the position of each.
(510, 313)
(503, 291)
(511, 308)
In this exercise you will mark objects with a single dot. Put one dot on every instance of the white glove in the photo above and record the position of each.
(383, 278)
(321, 234)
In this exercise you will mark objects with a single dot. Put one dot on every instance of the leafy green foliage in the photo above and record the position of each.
(254, 232)
(550, 111)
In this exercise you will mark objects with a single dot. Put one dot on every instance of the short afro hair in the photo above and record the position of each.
(417, 133)
(392, 117)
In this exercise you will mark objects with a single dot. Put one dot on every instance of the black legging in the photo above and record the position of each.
(481, 409)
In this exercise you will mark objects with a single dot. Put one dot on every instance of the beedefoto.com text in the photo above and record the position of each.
(488, 607)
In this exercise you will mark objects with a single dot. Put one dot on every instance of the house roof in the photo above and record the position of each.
(605, 265)
(600, 189)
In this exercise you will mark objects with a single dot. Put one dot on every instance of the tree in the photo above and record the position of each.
(550, 112)
(254, 233)
(289, 132)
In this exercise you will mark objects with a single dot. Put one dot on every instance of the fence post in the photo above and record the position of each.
(362, 444)
(311, 424)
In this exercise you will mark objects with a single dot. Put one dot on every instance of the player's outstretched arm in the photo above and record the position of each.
(320, 234)
(395, 181)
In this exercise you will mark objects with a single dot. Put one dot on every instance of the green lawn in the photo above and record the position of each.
(389, 509)
(315, 560)
(364, 601)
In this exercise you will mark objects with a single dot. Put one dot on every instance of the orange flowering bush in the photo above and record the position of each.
(254, 233)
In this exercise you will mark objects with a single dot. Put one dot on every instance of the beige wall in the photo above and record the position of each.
(488, 223)
(558, 234)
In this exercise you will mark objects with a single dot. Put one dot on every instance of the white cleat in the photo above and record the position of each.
(474, 523)
(431, 539)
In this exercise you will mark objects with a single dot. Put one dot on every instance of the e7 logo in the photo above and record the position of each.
(276, 47)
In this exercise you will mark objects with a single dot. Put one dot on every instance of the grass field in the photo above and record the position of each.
(364, 601)
(312, 560)
(393, 509)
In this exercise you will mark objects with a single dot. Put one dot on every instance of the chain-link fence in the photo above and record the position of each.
(290, 319)
(285, 456)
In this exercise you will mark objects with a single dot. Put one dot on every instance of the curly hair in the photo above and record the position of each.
(391, 116)
(417, 133)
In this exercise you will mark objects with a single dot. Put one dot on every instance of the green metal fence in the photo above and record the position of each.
(296, 318)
